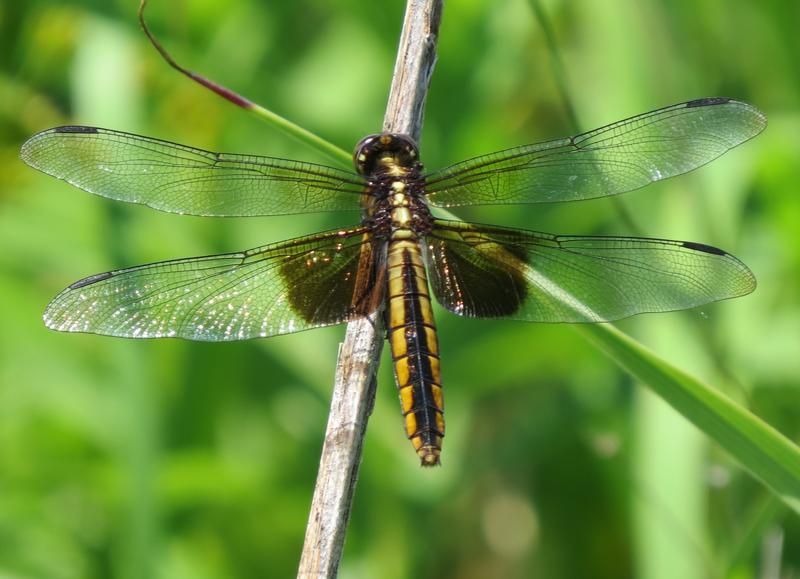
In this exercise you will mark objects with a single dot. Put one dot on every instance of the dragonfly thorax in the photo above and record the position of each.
(386, 154)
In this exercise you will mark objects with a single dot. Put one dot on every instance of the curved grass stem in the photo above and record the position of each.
(337, 154)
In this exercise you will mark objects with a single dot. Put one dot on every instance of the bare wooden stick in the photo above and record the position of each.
(416, 57)
(354, 387)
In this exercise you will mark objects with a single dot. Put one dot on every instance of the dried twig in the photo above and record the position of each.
(354, 387)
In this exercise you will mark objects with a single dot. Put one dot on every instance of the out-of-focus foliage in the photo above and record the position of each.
(131, 459)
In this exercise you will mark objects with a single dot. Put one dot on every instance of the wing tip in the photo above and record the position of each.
(761, 118)
(27, 151)
(748, 279)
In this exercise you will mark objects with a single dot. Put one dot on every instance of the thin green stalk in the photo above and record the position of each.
(297, 132)
(340, 156)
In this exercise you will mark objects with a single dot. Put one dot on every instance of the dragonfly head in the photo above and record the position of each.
(386, 154)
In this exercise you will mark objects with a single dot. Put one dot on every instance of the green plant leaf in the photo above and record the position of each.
(759, 448)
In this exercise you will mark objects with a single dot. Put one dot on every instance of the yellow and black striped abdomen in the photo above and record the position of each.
(415, 349)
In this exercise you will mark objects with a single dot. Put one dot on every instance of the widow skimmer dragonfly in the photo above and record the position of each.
(399, 252)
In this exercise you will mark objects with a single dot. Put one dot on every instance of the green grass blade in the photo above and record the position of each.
(759, 448)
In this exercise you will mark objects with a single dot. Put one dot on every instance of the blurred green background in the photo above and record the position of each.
(168, 459)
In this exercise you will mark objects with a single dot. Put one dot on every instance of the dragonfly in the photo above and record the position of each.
(399, 254)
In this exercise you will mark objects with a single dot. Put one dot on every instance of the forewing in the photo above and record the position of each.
(181, 179)
(488, 272)
(277, 289)
(613, 159)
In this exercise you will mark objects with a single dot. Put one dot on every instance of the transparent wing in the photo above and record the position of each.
(181, 179)
(277, 289)
(613, 159)
(484, 271)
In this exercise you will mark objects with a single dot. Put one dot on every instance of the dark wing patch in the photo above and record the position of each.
(320, 281)
(474, 277)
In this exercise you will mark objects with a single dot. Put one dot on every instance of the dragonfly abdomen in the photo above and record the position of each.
(415, 348)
